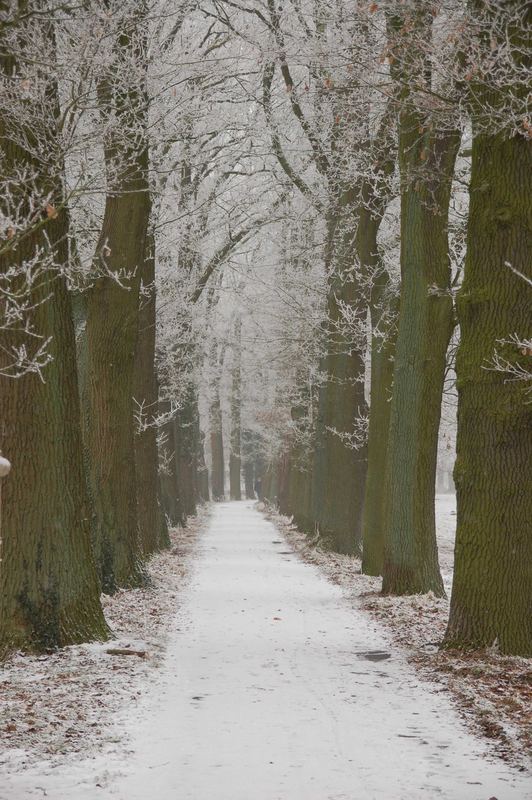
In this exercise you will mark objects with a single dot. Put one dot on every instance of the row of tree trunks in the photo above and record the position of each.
(51, 569)
(49, 593)
(299, 492)
(288, 485)
(180, 462)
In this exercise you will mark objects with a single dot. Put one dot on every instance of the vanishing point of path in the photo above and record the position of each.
(267, 693)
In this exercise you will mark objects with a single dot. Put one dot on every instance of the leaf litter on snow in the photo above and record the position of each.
(53, 706)
(493, 692)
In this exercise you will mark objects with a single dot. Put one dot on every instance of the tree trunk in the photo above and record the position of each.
(382, 313)
(217, 448)
(49, 594)
(382, 366)
(424, 329)
(146, 397)
(186, 443)
(284, 473)
(171, 500)
(249, 480)
(383, 325)
(492, 586)
(234, 456)
(112, 328)
(339, 470)
(203, 472)
(248, 460)
(426, 167)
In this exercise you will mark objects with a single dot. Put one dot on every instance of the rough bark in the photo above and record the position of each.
(112, 328)
(382, 367)
(234, 455)
(146, 396)
(426, 164)
(424, 329)
(382, 314)
(249, 478)
(186, 443)
(217, 447)
(491, 600)
(339, 470)
(170, 497)
(203, 472)
(49, 594)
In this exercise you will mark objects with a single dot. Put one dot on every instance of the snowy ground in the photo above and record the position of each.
(274, 687)
(58, 707)
(493, 693)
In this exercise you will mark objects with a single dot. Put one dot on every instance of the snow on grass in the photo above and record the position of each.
(491, 691)
(67, 702)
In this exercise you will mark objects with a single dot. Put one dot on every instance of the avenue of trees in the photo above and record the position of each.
(248, 248)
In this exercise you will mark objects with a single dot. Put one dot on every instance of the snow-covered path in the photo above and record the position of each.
(274, 689)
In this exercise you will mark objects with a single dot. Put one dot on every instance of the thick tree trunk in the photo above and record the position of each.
(146, 397)
(297, 495)
(299, 478)
(492, 587)
(248, 464)
(112, 328)
(383, 323)
(269, 484)
(217, 448)
(382, 366)
(234, 455)
(234, 477)
(203, 472)
(284, 470)
(112, 323)
(186, 441)
(339, 470)
(424, 329)
(382, 314)
(171, 500)
(249, 480)
(426, 166)
(162, 522)
(49, 593)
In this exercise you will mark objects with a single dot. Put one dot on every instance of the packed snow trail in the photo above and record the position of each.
(273, 688)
